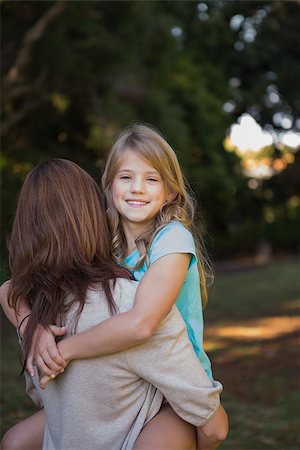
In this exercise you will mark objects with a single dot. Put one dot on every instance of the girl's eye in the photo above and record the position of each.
(125, 177)
(153, 179)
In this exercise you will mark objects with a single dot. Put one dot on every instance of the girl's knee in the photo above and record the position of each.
(216, 432)
(223, 432)
(217, 435)
(27, 434)
(12, 441)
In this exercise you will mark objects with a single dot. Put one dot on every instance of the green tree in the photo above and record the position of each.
(75, 73)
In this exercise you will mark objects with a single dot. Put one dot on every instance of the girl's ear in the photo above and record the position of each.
(171, 196)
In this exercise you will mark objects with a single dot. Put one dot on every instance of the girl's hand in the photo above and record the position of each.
(44, 352)
(44, 380)
(64, 351)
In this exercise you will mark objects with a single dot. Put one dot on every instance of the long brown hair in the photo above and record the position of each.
(59, 245)
(148, 143)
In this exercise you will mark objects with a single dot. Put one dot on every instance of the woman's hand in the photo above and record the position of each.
(44, 352)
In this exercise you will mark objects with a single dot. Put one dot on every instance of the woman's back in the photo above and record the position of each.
(97, 402)
(105, 402)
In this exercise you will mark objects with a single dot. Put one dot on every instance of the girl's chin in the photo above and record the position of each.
(143, 224)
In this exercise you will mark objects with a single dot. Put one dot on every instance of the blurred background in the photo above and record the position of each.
(220, 80)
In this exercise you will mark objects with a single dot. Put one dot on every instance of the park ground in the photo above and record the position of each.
(252, 336)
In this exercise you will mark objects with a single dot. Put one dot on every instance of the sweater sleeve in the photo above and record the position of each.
(32, 391)
(168, 361)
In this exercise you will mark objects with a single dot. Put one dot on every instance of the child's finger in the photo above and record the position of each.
(43, 369)
(51, 364)
(56, 357)
(57, 331)
(44, 381)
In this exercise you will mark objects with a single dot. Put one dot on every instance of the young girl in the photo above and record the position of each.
(150, 215)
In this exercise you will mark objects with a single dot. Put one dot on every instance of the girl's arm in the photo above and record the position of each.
(19, 319)
(15, 317)
(156, 294)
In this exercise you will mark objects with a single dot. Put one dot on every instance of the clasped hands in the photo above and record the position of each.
(49, 357)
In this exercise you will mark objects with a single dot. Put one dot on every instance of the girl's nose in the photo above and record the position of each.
(137, 185)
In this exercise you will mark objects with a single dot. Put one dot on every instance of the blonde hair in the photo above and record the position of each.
(149, 144)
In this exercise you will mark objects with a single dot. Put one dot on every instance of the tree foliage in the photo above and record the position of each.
(75, 73)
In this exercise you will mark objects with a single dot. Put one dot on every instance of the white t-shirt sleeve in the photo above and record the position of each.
(173, 238)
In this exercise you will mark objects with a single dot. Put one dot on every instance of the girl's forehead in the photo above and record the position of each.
(133, 160)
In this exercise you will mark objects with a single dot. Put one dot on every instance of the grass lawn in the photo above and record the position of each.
(252, 336)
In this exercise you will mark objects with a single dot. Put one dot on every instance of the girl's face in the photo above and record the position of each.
(138, 192)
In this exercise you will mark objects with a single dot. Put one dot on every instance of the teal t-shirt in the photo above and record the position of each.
(175, 238)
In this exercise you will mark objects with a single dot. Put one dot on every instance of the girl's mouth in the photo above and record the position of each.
(136, 202)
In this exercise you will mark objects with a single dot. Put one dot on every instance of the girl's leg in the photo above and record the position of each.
(26, 435)
(210, 435)
(167, 431)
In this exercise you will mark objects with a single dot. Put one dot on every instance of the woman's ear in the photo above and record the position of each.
(171, 196)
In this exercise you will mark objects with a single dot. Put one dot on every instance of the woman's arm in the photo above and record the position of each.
(19, 319)
(156, 294)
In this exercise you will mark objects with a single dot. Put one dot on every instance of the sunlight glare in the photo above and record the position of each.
(247, 134)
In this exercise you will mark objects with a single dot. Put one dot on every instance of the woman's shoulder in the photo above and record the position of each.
(125, 283)
(96, 308)
(124, 293)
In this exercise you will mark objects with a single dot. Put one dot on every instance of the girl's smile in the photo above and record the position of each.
(136, 203)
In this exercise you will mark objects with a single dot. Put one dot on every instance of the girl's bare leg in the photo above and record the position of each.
(26, 435)
(167, 431)
(214, 432)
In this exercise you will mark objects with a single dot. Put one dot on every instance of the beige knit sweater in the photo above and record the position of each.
(103, 403)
